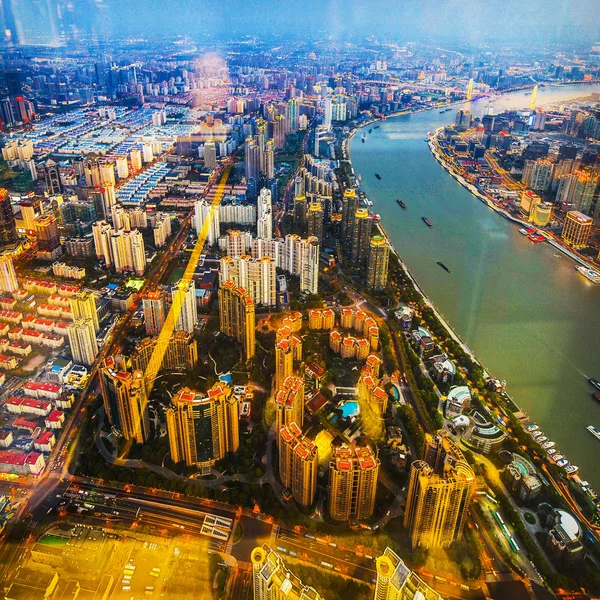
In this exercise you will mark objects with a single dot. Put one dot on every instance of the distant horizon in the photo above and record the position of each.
(466, 22)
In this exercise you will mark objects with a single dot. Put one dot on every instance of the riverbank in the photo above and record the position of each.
(491, 204)
(491, 233)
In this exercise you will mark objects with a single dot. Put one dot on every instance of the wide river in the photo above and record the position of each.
(528, 316)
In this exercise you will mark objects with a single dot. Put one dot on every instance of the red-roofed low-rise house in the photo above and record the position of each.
(36, 407)
(55, 419)
(10, 316)
(7, 303)
(61, 329)
(20, 347)
(3, 345)
(21, 463)
(6, 438)
(8, 362)
(57, 300)
(13, 405)
(64, 289)
(49, 310)
(4, 329)
(23, 423)
(42, 389)
(52, 340)
(32, 336)
(45, 442)
(15, 333)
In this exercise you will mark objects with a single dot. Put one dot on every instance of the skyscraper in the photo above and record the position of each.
(327, 112)
(203, 428)
(236, 316)
(252, 158)
(577, 229)
(187, 316)
(83, 306)
(352, 483)
(361, 236)
(270, 160)
(439, 491)
(82, 339)
(8, 276)
(264, 224)
(284, 362)
(395, 581)
(300, 211)
(206, 221)
(315, 220)
(377, 265)
(298, 463)
(154, 311)
(125, 399)
(272, 580)
(349, 206)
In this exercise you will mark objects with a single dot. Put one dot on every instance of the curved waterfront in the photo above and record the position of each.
(528, 316)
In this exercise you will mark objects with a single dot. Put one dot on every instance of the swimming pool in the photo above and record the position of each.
(394, 391)
(350, 408)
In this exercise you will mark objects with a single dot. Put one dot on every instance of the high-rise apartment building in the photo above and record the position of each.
(289, 403)
(206, 221)
(256, 275)
(264, 225)
(395, 581)
(284, 362)
(82, 339)
(361, 236)
(102, 231)
(349, 207)
(184, 304)
(154, 311)
(272, 580)
(47, 236)
(236, 316)
(203, 428)
(439, 492)
(315, 220)
(378, 262)
(300, 211)
(179, 353)
(8, 276)
(252, 158)
(577, 190)
(83, 306)
(301, 258)
(353, 475)
(538, 174)
(125, 399)
(577, 229)
(210, 155)
(128, 251)
(270, 160)
(298, 464)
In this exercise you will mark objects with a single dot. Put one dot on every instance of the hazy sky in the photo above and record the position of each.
(471, 20)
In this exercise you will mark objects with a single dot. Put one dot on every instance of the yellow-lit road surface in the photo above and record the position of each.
(179, 296)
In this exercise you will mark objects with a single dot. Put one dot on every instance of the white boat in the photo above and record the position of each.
(551, 451)
(538, 434)
(556, 457)
(594, 431)
(548, 445)
(542, 439)
(563, 462)
(571, 469)
(532, 428)
(590, 274)
(523, 231)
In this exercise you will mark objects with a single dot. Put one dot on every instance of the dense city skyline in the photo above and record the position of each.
(299, 300)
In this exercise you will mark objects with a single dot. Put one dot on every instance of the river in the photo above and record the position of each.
(528, 316)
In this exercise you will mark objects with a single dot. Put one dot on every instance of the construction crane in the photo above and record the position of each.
(533, 98)
(470, 89)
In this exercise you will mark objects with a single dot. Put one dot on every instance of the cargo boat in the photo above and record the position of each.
(401, 204)
(427, 221)
(594, 382)
(378, 175)
(444, 267)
